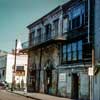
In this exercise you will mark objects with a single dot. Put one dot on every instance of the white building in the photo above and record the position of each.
(20, 70)
(6, 68)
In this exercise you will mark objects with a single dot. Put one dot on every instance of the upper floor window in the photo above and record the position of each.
(65, 24)
(55, 25)
(77, 16)
(76, 22)
(48, 31)
(32, 35)
(32, 38)
(39, 34)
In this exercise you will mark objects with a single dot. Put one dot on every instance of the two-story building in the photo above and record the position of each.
(7, 61)
(60, 50)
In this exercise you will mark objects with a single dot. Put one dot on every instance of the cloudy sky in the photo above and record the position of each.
(15, 15)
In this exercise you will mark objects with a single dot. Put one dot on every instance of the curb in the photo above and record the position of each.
(25, 95)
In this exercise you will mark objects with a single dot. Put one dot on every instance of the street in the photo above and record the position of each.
(4, 95)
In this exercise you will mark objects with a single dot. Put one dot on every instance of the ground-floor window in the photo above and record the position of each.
(72, 51)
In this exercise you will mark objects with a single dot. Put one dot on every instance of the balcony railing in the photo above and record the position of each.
(39, 40)
(25, 45)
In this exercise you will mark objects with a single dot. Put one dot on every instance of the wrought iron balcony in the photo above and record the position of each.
(38, 40)
(25, 45)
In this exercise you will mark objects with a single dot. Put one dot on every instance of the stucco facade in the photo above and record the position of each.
(21, 60)
(96, 82)
(60, 51)
(6, 69)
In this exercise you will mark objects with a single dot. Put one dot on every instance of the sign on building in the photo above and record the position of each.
(20, 73)
(62, 77)
(90, 71)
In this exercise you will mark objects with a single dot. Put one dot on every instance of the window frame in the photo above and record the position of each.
(32, 37)
(18, 68)
(48, 30)
(69, 53)
(39, 34)
(65, 29)
(56, 26)
(81, 12)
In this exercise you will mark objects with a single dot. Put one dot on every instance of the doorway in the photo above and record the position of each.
(75, 86)
(48, 81)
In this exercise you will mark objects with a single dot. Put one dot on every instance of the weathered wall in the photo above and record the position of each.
(42, 81)
(9, 69)
(48, 53)
(21, 60)
(97, 87)
(97, 31)
(65, 83)
(62, 83)
(54, 82)
(97, 50)
(84, 86)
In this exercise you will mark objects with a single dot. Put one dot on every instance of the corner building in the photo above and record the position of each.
(60, 51)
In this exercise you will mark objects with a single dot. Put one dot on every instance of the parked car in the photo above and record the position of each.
(2, 86)
(5, 83)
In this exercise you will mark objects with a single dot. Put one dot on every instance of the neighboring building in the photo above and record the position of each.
(6, 67)
(60, 50)
(20, 70)
(2, 65)
(96, 94)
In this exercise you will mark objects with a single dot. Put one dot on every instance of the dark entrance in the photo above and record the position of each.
(31, 84)
(48, 76)
(75, 86)
(49, 81)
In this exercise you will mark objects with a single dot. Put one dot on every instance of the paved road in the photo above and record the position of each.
(10, 96)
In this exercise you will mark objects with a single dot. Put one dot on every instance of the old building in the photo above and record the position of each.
(96, 85)
(60, 50)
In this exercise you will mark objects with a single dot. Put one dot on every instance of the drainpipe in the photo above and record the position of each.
(59, 53)
(39, 69)
(93, 53)
(91, 92)
(88, 21)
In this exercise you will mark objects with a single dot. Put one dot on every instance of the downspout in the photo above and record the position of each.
(39, 69)
(59, 49)
(93, 51)
(88, 21)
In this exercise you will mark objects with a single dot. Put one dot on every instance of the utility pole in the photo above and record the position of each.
(91, 68)
(13, 74)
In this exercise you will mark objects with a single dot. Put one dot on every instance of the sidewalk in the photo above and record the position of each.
(39, 96)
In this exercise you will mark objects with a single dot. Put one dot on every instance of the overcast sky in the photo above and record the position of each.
(15, 15)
